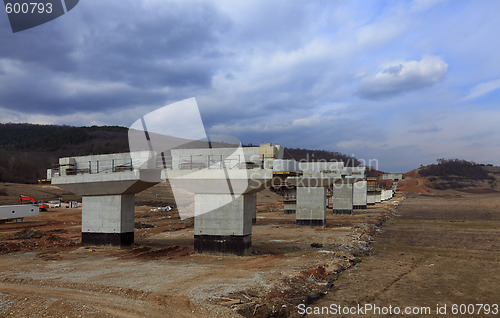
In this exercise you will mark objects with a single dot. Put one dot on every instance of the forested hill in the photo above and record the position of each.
(460, 174)
(72, 140)
(27, 150)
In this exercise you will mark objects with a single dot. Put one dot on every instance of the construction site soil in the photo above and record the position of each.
(440, 250)
(44, 270)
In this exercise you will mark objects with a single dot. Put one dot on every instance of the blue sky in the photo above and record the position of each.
(403, 82)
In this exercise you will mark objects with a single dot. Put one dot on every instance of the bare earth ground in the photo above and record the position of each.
(441, 249)
(437, 248)
(44, 271)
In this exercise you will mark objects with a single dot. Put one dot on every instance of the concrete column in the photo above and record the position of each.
(66, 164)
(252, 205)
(290, 200)
(227, 227)
(108, 219)
(311, 208)
(359, 195)
(370, 197)
(342, 198)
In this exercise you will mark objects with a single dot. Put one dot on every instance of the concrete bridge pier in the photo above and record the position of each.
(343, 195)
(342, 202)
(108, 219)
(311, 206)
(290, 200)
(360, 195)
(226, 228)
(370, 197)
(311, 198)
(107, 184)
(225, 204)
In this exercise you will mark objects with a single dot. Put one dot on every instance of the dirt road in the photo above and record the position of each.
(440, 251)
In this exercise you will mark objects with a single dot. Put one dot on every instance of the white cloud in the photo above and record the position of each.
(398, 78)
(482, 89)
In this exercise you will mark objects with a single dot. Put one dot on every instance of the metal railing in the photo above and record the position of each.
(193, 162)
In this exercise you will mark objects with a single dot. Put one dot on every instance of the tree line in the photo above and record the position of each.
(455, 167)
(28, 150)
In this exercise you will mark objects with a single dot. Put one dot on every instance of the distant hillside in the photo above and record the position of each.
(460, 174)
(27, 150)
(50, 138)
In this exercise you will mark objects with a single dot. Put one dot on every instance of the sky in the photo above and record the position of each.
(401, 83)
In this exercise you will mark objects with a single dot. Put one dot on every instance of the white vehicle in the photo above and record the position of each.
(54, 204)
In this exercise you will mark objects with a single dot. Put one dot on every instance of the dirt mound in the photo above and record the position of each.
(143, 225)
(316, 273)
(28, 233)
(414, 183)
(54, 238)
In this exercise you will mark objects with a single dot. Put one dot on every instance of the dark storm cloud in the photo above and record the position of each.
(105, 55)
(296, 73)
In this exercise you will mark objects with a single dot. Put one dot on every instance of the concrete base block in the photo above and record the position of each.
(342, 197)
(223, 224)
(359, 207)
(117, 239)
(108, 219)
(360, 195)
(370, 198)
(310, 222)
(223, 244)
(311, 208)
(290, 207)
(342, 211)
